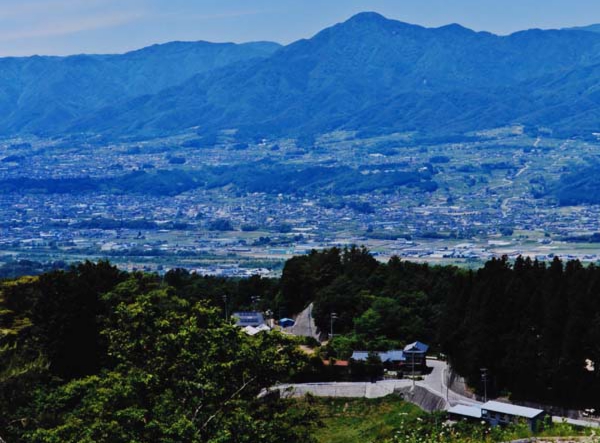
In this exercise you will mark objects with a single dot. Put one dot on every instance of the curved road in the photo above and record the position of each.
(435, 382)
(304, 324)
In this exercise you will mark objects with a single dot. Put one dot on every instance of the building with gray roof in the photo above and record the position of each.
(498, 413)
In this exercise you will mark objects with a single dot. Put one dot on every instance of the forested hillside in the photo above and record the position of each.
(41, 94)
(96, 354)
(580, 186)
(265, 176)
(534, 326)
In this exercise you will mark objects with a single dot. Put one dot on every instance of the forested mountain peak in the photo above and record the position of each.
(367, 73)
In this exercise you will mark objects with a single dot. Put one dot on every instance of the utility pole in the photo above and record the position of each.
(333, 317)
(484, 379)
(413, 370)
(226, 307)
(447, 383)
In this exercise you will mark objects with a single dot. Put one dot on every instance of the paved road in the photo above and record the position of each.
(575, 422)
(433, 382)
(305, 324)
(436, 382)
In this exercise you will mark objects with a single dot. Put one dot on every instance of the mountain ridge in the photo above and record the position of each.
(263, 43)
(367, 73)
(588, 28)
(43, 91)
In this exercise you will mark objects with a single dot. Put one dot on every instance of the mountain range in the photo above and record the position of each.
(368, 73)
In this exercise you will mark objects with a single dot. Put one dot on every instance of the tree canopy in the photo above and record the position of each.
(149, 366)
(94, 354)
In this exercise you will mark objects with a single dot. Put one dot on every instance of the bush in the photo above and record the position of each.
(220, 225)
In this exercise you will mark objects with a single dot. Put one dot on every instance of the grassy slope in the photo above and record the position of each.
(359, 420)
(376, 421)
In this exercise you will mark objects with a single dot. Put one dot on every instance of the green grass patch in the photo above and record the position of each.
(359, 420)
(391, 420)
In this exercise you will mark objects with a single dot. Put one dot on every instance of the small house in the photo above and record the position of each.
(243, 319)
(394, 358)
(416, 354)
(497, 413)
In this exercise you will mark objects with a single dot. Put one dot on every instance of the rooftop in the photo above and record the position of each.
(341, 363)
(505, 408)
(416, 347)
(251, 330)
(467, 411)
(249, 318)
(393, 355)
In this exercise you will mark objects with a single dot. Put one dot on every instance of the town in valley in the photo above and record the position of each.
(486, 196)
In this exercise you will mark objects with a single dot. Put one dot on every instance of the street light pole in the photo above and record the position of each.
(484, 379)
(333, 317)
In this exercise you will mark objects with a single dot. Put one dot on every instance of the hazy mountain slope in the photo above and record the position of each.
(41, 93)
(369, 72)
(366, 73)
(590, 28)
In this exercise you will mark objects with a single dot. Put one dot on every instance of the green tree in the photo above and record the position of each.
(179, 374)
(65, 317)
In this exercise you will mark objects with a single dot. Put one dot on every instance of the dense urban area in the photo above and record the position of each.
(221, 207)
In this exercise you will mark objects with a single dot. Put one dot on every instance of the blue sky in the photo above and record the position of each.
(108, 26)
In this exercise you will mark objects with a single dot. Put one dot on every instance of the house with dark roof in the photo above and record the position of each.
(416, 354)
(394, 358)
(412, 354)
(249, 318)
